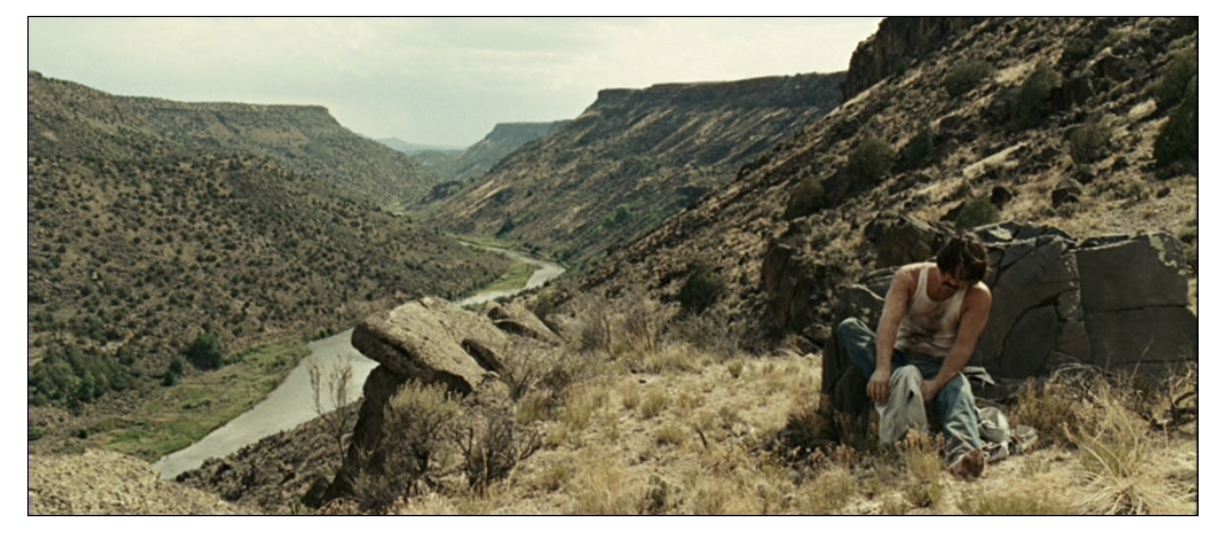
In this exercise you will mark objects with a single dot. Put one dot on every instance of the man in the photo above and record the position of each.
(932, 317)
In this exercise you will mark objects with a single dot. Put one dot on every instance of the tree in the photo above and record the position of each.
(204, 353)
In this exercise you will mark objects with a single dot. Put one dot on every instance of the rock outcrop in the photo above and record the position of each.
(633, 158)
(785, 270)
(898, 42)
(479, 158)
(1113, 302)
(433, 342)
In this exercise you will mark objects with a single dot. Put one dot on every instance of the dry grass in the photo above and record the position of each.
(696, 439)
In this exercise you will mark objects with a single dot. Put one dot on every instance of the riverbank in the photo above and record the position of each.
(290, 404)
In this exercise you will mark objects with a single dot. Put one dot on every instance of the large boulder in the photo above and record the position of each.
(433, 342)
(516, 319)
(1115, 302)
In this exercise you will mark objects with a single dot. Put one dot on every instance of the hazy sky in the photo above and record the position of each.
(443, 81)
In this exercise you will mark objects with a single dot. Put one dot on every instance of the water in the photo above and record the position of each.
(291, 404)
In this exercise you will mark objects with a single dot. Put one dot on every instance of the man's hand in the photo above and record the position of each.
(879, 386)
(930, 389)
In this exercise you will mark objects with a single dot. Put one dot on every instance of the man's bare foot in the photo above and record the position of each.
(971, 465)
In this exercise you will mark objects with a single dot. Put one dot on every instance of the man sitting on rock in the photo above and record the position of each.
(932, 317)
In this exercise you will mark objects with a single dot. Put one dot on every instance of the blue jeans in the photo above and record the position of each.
(954, 404)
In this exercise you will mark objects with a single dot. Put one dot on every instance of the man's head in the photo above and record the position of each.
(963, 259)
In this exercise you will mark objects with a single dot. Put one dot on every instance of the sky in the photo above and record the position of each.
(436, 81)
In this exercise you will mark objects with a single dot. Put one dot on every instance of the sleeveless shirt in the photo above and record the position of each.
(930, 326)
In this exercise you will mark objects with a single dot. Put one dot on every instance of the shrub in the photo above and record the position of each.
(1178, 137)
(703, 288)
(827, 493)
(621, 216)
(204, 353)
(965, 76)
(1031, 105)
(1172, 87)
(808, 198)
(173, 372)
(416, 422)
(870, 161)
(654, 403)
(491, 445)
(1012, 503)
(916, 151)
(596, 324)
(1087, 142)
(976, 212)
(1077, 50)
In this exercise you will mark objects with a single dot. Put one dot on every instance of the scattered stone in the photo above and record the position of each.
(1000, 195)
(1066, 192)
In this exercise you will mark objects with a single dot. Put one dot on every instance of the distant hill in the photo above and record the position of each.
(152, 223)
(634, 158)
(412, 149)
(454, 167)
(305, 139)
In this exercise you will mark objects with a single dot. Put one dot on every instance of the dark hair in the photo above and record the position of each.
(964, 251)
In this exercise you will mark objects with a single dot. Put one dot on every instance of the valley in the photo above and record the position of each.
(705, 237)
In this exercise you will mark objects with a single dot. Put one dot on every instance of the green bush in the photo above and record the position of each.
(965, 76)
(976, 212)
(1177, 75)
(1087, 142)
(916, 151)
(204, 353)
(703, 288)
(621, 216)
(71, 376)
(1077, 50)
(1031, 105)
(173, 372)
(870, 161)
(808, 198)
(1178, 137)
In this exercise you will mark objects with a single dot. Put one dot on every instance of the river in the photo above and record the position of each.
(290, 404)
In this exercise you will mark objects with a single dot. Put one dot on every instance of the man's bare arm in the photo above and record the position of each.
(972, 323)
(895, 306)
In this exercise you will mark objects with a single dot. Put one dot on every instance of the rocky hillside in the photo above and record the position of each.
(454, 168)
(106, 483)
(1087, 125)
(304, 139)
(142, 239)
(633, 158)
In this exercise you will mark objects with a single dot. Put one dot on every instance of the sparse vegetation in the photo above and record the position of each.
(1174, 85)
(976, 212)
(703, 287)
(198, 404)
(808, 198)
(330, 396)
(965, 76)
(204, 353)
(1076, 50)
(1031, 104)
(1177, 141)
(917, 151)
(1088, 142)
(870, 161)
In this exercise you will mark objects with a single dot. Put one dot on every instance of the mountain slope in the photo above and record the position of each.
(1104, 72)
(141, 241)
(454, 168)
(305, 139)
(633, 158)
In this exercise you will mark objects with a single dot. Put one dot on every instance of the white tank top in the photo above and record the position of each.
(930, 326)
